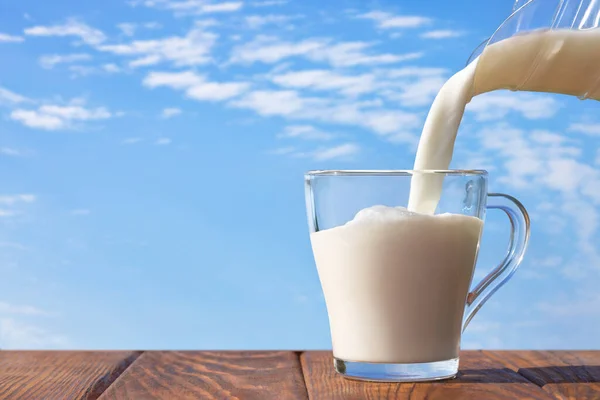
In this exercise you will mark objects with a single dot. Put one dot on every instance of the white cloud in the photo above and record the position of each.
(127, 28)
(342, 151)
(497, 105)
(9, 151)
(410, 86)
(174, 80)
(327, 80)
(130, 28)
(13, 245)
(586, 218)
(111, 68)
(306, 132)
(75, 112)
(229, 6)
(49, 61)
(152, 25)
(542, 268)
(163, 141)
(7, 308)
(72, 27)
(268, 3)
(56, 117)
(9, 97)
(289, 104)
(387, 122)
(412, 72)
(301, 299)
(145, 61)
(6, 38)
(386, 20)
(550, 138)
(586, 304)
(81, 211)
(10, 203)
(191, 49)
(281, 151)
(507, 334)
(442, 34)
(10, 200)
(258, 21)
(409, 138)
(282, 103)
(525, 157)
(422, 92)
(541, 161)
(484, 326)
(590, 129)
(413, 91)
(207, 23)
(196, 86)
(170, 112)
(15, 334)
(352, 53)
(216, 91)
(568, 174)
(132, 140)
(83, 70)
(270, 50)
(191, 7)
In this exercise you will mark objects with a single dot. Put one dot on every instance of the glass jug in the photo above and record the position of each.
(557, 42)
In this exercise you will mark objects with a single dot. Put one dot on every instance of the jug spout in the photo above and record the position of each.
(519, 4)
(532, 15)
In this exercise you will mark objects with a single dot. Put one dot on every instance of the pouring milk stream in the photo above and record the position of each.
(556, 61)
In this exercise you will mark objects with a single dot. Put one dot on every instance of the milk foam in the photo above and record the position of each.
(384, 214)
(379, 214)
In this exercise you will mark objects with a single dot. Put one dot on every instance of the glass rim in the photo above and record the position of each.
(395, 172)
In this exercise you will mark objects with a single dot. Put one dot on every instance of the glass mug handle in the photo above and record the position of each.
(519, 237)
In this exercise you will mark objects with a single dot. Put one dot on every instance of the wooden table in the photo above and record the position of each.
(281, 375)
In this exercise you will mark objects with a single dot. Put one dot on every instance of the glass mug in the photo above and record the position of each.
(397, 294)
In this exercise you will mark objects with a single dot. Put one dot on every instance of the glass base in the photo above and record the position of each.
(382, 372)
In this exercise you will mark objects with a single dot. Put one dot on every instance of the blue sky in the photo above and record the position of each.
(152, 156)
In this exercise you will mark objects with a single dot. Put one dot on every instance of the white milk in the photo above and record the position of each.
(556, 61)
(396, 283)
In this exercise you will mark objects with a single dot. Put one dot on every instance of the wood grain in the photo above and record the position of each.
(480, 377)
(564, 374)
(211, 375)
(60, 375)
(67, 375)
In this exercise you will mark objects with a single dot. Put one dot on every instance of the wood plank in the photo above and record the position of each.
(211, 375)
(60, 375)
(564, 374)
(480, 377)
